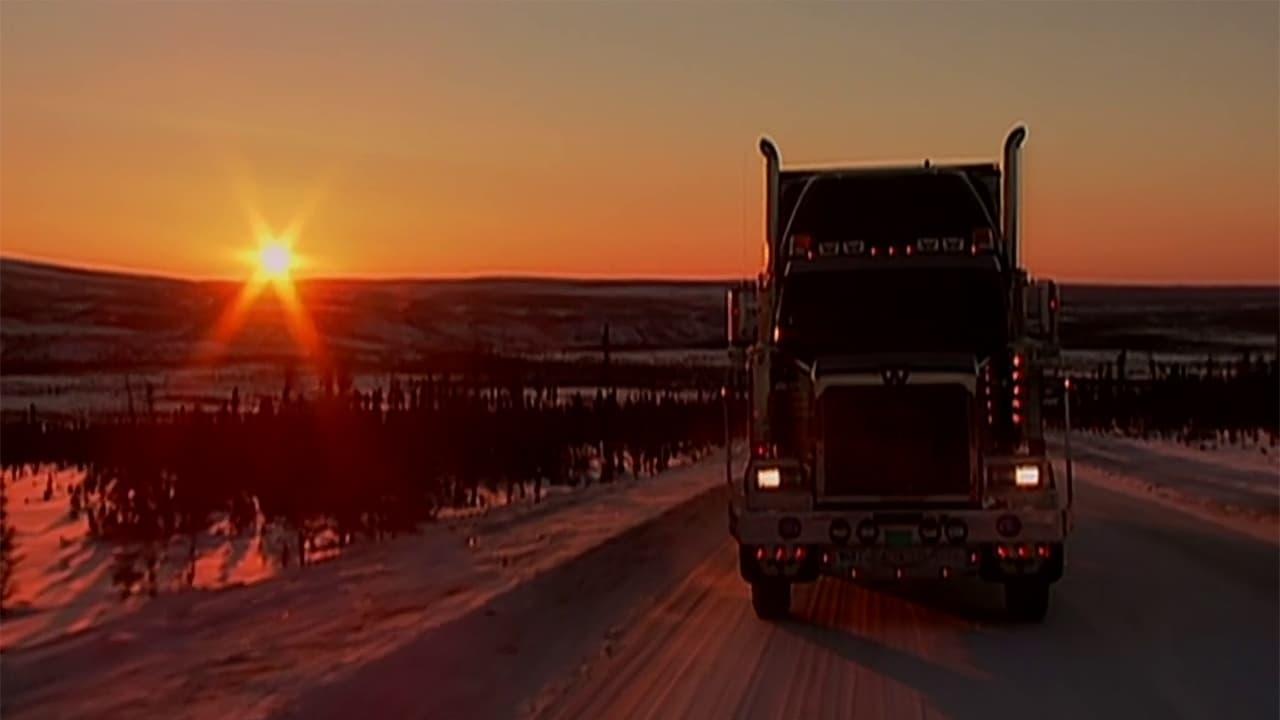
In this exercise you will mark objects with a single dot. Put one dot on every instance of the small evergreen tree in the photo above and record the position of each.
(8, 551)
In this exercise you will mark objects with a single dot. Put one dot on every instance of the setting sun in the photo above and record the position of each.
(273, 263)
(275, 260)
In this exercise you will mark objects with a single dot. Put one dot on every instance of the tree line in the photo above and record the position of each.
(348, 464)
(1187, 401)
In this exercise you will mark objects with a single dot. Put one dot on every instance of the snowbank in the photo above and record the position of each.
(1236, 487)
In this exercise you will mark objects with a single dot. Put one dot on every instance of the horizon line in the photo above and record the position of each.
(112, 269)
(499, 276)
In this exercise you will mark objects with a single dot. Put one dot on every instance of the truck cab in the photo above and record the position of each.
(894, 351)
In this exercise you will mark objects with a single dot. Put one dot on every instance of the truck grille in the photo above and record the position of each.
(895, 442)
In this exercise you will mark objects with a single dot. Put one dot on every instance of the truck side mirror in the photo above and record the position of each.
(742, 316)
(1040, 305)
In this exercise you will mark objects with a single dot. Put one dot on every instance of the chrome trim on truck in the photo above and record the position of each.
(761, 527)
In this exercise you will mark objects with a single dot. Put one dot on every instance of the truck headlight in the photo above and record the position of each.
(768, 478)
(1026, 476)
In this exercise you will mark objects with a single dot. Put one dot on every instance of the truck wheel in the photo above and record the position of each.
(1027, 600)
(771, 599)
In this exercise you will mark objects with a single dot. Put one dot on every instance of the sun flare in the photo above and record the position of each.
(275, 260)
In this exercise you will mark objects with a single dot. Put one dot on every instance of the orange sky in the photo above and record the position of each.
(619, 139)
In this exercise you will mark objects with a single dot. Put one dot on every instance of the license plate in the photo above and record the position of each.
(898, 538)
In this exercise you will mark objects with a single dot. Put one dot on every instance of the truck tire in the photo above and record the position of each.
(1027, 600)
(771, 599)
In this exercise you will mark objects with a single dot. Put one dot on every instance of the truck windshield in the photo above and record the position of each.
(882, 209)
(890, 310)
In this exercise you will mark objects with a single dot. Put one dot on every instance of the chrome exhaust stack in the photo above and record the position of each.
(773, 243)
(767, 289)
(1011, 200)
(772, 177)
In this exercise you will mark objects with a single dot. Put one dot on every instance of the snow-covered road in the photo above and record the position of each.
(1161, 614)
(1158, 616)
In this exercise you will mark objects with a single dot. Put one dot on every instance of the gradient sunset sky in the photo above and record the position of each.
(618, 139)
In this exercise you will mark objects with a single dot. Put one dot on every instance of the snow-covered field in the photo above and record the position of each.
(62, 319)
(64, 582)
(302, 626)
(72, 340)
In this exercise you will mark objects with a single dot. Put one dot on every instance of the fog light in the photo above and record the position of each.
(868, 532)
(1026, 476)
(789, 528)
(840, 531)
(929, 531)
(1008, 525)
(957, 531)
(768, 478)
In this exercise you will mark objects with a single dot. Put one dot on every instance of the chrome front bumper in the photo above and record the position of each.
(800, 546)
(764, 527)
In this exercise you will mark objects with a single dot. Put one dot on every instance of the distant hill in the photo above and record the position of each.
(60, 319)
(65, 318)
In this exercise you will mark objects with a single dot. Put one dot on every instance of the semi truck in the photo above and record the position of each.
(893, 352)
